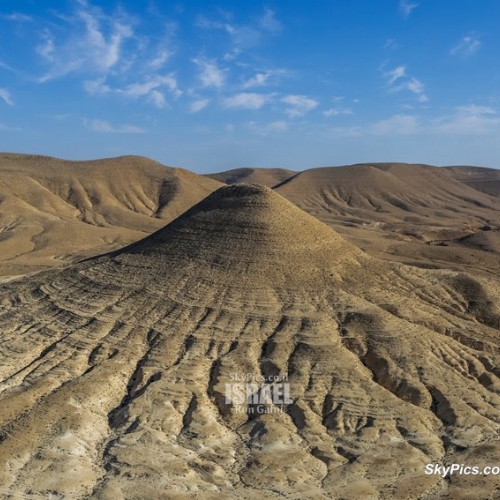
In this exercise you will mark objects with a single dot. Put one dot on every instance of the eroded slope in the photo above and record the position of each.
(114, 370)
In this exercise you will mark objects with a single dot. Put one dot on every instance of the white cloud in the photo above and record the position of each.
(97, 86)
(6, 96)
(398, 80)
(397, 124)
(256, 81)
(395, 74)
(210, 74)
(90, 42)
(390, 43)
(413, 85)
(277, 126)
(269, 22)
(268, 128)
(263, 78)
(17, 17)
(106, 127)
(298, 105)
(47, 47)
(405, 7)
(151, 89)
(467, 46)
(198, 105)
(160, 60)
(337, 111)
(157, 98)
(243, 36)
(469, 120)
(246, 100)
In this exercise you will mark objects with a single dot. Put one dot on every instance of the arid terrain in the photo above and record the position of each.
(133, 294)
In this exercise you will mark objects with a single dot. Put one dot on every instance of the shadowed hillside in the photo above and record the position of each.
(114, 371)
(265, 176)
(486, 180)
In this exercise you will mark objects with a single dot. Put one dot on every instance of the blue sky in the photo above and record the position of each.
(210, 86)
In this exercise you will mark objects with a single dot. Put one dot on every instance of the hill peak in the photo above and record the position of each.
(246, 235)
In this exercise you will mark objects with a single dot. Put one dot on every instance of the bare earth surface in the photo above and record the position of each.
(265, 176)
(113, 370)
(55, 211)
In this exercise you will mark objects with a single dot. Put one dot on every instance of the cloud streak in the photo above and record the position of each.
(198, 105)
(94, 43)
(210, 75)
(406, 7)
(106, 127)
(466, 46)
(245, 100)
(6, 97)
(298, 105)
(398, 80)
(337, 112)
(468, 120)
(396, 125)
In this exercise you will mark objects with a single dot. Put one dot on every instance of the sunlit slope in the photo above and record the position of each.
(114, 370)
(53, 211)
(411, 213)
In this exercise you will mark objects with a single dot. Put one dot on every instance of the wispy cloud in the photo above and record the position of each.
(106, 127)
(246, 100)
(395, 74)
(262, 78)
(198, 105)
(97, 86)
(6, 96)
(268, 21)
(152, 89)
(92, 41)
(243, 36)
(17, 17)
(469, 120)
(298, 105)
(210, 75)
(390, 43)
(268, 128)
(406, 7)
(466, 46)
(398, 80)
(159, 60)
(337, 111)
(396, 125)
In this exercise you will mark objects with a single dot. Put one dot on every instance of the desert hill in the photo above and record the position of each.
(54, 211)
(417, 214)
(265, 176)
(483, 179)
(114, 370)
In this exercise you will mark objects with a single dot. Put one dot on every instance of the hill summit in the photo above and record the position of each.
(246, 233)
